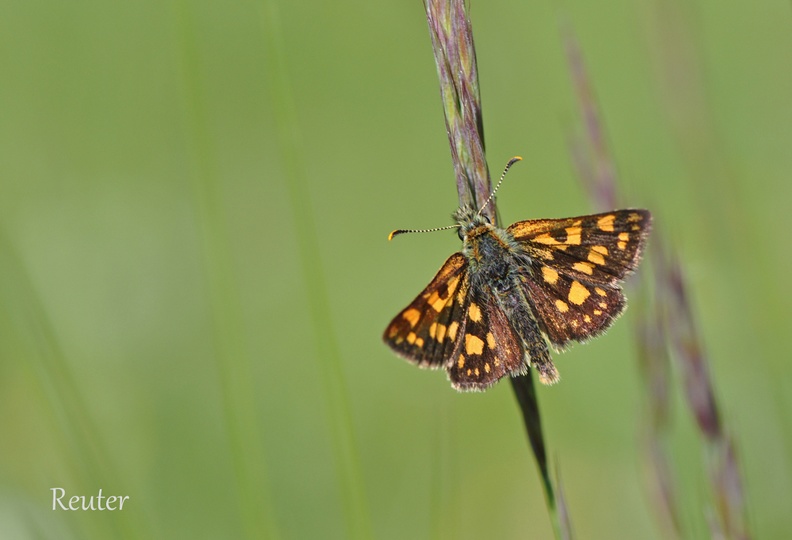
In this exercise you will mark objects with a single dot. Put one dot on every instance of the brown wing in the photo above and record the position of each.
(427, 331)
(577, 265)
(489, 348)
(569, 309)
(600, 248)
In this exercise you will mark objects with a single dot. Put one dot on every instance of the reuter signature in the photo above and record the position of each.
(81, 502)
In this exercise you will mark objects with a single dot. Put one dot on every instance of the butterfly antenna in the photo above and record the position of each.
(402, 231)
(511, 162)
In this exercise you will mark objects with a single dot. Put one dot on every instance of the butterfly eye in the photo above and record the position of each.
(461, 234)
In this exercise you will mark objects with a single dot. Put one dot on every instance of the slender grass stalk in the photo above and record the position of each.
(591, 155)
(654, 365)
(231, 352)
(344, 444)
(719, 453)
(455, 58)
(679, 59)
(564, 531)
(666, 332)
(592, 159)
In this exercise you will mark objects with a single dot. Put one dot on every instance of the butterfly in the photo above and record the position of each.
(493, 307)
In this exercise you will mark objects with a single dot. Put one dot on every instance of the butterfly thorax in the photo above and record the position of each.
(490, 251)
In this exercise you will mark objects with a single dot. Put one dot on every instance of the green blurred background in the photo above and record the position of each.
(194, 273)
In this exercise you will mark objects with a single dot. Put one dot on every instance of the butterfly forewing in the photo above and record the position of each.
(600, 248)
(427, 331)
(489, 348)
(576, 265)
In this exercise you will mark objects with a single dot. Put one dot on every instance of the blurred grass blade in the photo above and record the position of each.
(725, 479)
(231, 352)
(680, 72)
(327, 350)
(687, 347)
(597, 173)
(564, 531)
(591, 156)
(655, 366)
(525, 391)
(88, 464)
(673, 326)
(729, 493)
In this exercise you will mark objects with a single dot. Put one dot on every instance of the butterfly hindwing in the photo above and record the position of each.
(427, 331)
(569, 309)
(489, 348)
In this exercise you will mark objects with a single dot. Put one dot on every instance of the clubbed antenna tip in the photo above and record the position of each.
(402, 231)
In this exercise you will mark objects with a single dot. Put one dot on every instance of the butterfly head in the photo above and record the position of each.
(470, 221)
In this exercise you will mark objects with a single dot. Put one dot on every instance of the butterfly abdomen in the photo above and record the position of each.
(524, 324)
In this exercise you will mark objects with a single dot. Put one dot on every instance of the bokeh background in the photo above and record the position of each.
(194, 273)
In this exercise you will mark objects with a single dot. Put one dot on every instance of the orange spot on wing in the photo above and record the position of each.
(584, 267)
(452, 330)
(441, 332)
(573, 236)
(412, 316)
(490, 340)
(623, 237)
(473, 344)
(436, 302)
(545, 239)
(605, 223)
(596, 257)
(578, 293)
(549, 275)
